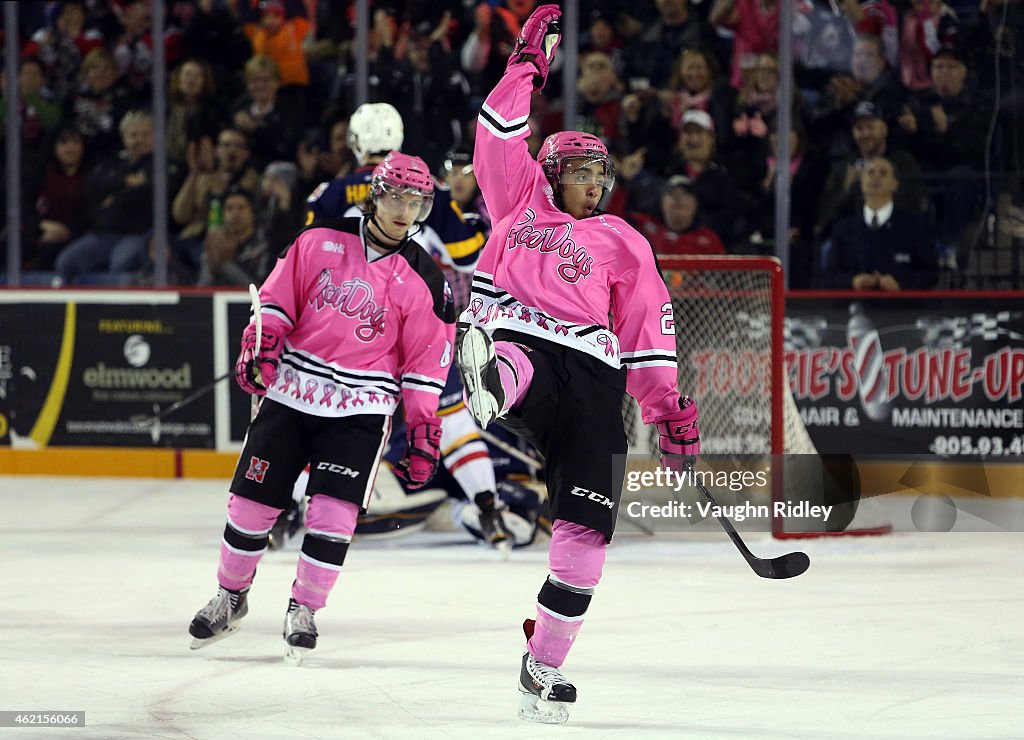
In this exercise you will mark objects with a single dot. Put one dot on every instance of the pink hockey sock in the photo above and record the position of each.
(330, 523)
(576, 556)
(515, 370)
(245, 540)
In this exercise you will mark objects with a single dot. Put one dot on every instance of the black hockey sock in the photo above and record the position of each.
(562, 600)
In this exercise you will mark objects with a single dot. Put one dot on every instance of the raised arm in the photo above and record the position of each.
(501, 159)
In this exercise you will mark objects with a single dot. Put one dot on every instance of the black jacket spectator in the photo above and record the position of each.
(882, 247)
(901, 247)
(429, 90)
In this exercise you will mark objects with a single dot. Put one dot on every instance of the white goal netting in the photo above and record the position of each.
(729, 314)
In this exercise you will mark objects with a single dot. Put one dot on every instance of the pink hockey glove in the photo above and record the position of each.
(679, 440)
(538, 39)
(264, 359)
(422, 454)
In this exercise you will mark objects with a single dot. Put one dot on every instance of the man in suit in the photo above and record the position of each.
(883, 247)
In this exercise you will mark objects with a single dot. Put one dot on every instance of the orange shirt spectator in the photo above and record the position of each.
(281, 38)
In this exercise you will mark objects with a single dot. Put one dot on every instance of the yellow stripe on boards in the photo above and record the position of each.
(42, 430)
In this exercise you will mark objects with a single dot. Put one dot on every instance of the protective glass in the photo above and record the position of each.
(403, 202)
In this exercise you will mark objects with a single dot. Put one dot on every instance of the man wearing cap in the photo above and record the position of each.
(725, 208)
(678, 231)
(842, 196)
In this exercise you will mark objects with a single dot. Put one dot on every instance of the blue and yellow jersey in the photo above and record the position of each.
(446, 234)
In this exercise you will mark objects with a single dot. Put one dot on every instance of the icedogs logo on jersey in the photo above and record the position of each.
(353, 298)
(552, 239)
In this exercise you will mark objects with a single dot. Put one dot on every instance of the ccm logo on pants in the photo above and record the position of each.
(593, 496)
(339, 469)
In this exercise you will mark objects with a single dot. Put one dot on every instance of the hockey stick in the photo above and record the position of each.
(505, 447)
(186, 400)
(254, 296)
(789, 565)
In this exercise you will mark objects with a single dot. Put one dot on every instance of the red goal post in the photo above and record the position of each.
(729, 314)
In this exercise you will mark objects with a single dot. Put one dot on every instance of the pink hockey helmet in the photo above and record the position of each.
(403, 173)
(558, 148)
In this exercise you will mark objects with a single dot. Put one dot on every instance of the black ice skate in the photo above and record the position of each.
(299, 632)
(219, 618)
(492, 527)
(546, 693)
(478, 367)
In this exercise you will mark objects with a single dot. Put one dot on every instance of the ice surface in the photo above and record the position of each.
(908, 636)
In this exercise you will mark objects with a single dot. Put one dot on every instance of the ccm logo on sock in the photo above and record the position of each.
(593, 496)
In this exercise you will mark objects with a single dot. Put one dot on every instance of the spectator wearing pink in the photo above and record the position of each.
(694, 84)
(755, 24)
(876, 18)
(927, 26)
(653, 118)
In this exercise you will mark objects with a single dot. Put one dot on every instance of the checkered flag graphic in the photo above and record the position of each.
(803, 332)
(951, 331)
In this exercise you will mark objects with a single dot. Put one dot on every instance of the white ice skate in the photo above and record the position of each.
(299, 632)
(219, 618)
(546, 693)
(479, 370)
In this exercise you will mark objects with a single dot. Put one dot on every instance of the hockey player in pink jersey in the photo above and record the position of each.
(538, 354)
(356, 318)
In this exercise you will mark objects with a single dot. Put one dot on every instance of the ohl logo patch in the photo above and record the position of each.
(257, 469)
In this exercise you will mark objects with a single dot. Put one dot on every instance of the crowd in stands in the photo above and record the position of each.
(904, 125)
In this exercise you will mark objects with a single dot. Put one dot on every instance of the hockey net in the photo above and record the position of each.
(729, 318)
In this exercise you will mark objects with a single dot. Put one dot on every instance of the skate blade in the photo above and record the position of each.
(295, 655)
(533, 709)
(504, 548)
(475, 353)
(198, 644)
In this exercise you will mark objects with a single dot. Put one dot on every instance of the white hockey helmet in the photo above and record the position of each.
(375, 128)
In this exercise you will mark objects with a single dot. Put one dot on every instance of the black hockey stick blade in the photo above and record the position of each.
(186, 400)
(789, 565)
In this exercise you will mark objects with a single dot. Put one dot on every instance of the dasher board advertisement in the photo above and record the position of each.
(939, 375)
(91, 368)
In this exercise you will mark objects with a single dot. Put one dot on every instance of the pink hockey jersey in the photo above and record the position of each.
(546, 274)
(361, 331)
